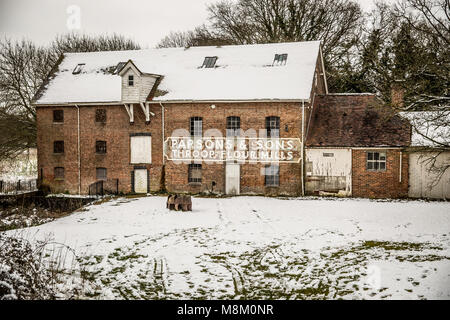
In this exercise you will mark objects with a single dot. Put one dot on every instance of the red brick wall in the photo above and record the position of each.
(116, 133)
(252, 116)
(379, 184)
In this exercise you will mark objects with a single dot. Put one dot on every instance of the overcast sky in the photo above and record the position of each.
(145, 21)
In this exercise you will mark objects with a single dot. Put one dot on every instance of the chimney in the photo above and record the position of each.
(397, 94)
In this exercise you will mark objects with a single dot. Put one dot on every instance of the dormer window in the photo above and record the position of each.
(78, 68)
(130, 80)
(210, 62)
(280, 59)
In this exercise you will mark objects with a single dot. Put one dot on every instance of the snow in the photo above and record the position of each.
(430, 128)
(256, 247)
(243, 73)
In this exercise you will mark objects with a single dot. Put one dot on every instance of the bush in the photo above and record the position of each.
(31, 273)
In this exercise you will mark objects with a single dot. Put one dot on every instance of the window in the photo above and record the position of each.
(233, 126)
(272, 175)
(273, 127)
(100, 115)
(209, 62)
(58, 115)
(130, 80)
(101, 173)
(58, 147)
(59, 173)
(196, 126)
(141, 148)
(376, 161)
(280, 59)
(100, 147)
(195, 173)
(78, 68)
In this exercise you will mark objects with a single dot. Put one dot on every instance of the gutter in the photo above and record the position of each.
(162, 125)
(303, 148)
(114, 103)
(79, 147)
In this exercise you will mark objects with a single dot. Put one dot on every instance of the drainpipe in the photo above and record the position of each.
(79, 156)
(303, 148)
(400, 165)
(162, 119)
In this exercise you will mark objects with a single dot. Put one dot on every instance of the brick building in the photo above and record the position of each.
(121, 117)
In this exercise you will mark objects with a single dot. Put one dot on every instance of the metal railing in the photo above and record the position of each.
(19, 186)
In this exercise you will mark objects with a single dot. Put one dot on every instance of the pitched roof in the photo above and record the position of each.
(243, 72)
(343, 120)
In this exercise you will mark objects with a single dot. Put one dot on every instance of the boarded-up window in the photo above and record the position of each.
(272, 175)
(58, 115)
(100, 115)
(58, 147)
(59, 173)
(195, 173)
(101, 173)
(100, 147)
(141, 149)
(376, 161)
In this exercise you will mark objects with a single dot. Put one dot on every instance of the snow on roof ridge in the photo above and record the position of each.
(274, 44)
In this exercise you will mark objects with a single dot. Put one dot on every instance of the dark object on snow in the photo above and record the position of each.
(179, 202)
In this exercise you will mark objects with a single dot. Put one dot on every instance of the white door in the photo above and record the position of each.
(140, 180)
(232, 178)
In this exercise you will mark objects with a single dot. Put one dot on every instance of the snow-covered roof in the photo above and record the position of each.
(243, 72)
(429, 128)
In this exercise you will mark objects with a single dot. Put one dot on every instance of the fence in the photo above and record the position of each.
(103, 187)
(8, 187)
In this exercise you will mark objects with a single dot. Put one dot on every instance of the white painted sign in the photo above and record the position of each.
(241, 149)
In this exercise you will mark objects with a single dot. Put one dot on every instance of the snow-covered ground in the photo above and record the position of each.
(256, 248)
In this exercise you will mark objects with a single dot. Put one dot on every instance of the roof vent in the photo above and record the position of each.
(78, 68)
(280, 59)
(210, 62)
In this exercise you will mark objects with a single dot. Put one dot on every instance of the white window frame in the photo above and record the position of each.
(376, 162)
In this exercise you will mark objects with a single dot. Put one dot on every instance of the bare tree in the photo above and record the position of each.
(430, 20)
(23, 69)
(337, 23)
